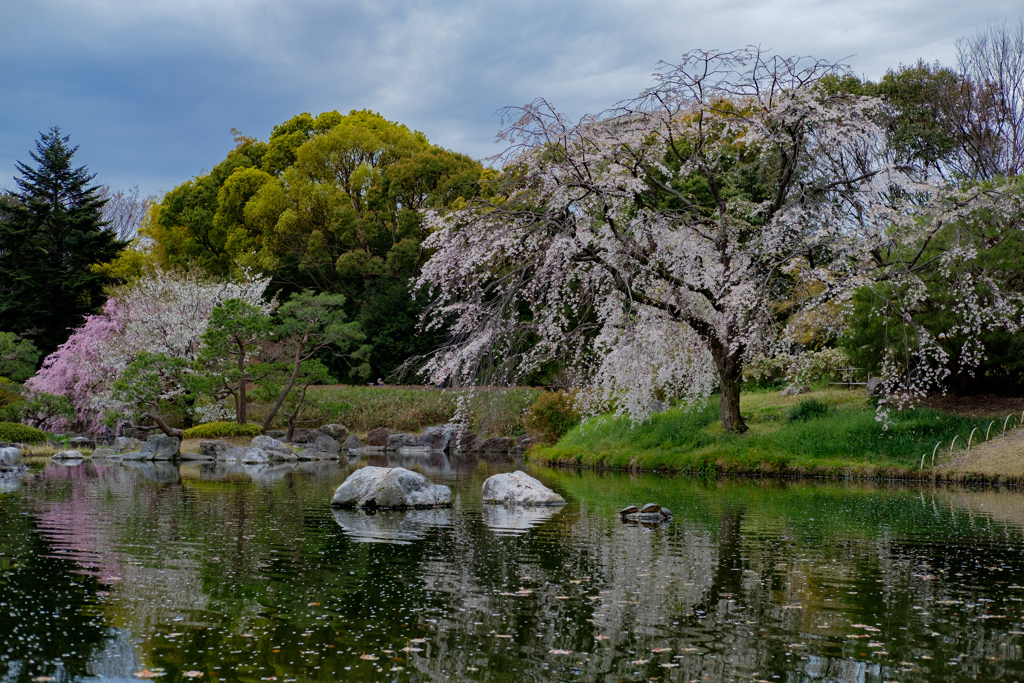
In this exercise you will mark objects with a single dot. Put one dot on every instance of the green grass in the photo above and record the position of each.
(845, 439)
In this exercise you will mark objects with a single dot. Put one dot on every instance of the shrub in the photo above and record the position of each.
(552, 415)
(19, 433)
(807, 410)
(212, 430)
(809, 367)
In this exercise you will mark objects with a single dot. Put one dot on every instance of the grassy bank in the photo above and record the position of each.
(492, 411)
(846, 440)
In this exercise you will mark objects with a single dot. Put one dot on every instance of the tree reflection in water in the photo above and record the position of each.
(246, 574)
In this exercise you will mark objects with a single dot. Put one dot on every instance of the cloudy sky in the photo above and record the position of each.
(150, 89)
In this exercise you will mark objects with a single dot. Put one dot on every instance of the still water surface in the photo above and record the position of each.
(214, 574)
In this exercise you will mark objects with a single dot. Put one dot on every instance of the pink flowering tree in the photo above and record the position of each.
(655, 249)
(77, 370)
(163, 313)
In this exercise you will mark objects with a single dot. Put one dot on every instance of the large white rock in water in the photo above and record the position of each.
(390, 487)
(10, 460)
(519, 488)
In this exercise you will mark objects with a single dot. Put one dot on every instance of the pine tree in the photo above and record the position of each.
(51, 234)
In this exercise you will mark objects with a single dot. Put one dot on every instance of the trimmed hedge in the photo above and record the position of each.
(212, 430)
(19, 433)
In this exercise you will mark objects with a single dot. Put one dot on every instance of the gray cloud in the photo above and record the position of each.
(151, 90)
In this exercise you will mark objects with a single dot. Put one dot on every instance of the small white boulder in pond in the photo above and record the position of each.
(519, 488)
(10, 460)
(390, 487)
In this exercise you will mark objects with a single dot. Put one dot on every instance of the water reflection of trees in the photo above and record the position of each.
(749, 580)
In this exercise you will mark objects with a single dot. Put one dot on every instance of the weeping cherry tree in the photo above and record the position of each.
(656, 248)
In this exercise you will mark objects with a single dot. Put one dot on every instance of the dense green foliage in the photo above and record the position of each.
(552, 415)
(20, 433)
(1000, 249)
(330, 203)
(18, 358)
(231, 346)
(215, 430)
(51, 232)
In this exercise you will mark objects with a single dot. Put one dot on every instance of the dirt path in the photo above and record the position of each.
(1002, 456)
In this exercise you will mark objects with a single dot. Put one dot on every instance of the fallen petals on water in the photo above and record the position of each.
(146, 673)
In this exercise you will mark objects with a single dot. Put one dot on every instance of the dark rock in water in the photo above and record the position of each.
(397, 441)
(438, 437)
(214, 449)
(390, 487)
(302, 435)
(325, 446)
(68, 456)
(272, 449)
(335, 431)
(10, 460)
(162, 447)
(135, 455)
(517, 452)
(244, 454)
(462, 441)
(124, 444)
(650, 513)
(378, 437)
(499, 444)
(351, 443)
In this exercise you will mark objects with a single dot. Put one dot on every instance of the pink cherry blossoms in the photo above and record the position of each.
(164, 312)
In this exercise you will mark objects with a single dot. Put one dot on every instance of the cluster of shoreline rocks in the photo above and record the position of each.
(329, 442)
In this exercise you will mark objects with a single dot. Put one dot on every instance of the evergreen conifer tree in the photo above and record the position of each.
(51, 234)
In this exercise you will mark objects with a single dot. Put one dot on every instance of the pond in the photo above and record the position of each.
(216, 574)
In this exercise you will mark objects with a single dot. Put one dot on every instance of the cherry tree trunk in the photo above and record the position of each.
(730, 376)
